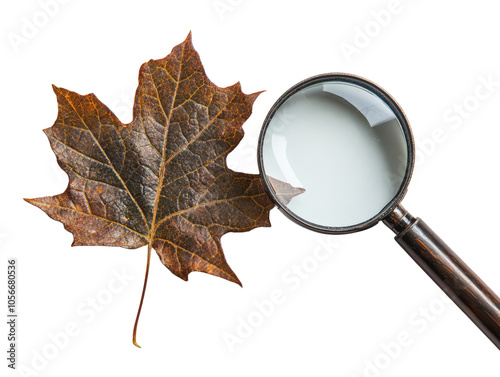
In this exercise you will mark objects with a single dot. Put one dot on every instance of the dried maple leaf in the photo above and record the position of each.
(162, 180)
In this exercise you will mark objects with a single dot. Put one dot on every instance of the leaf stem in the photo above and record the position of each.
(142, 297)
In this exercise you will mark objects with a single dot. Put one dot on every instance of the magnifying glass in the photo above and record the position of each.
(348, 145)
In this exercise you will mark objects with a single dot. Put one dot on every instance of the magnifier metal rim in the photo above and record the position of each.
(401, 117)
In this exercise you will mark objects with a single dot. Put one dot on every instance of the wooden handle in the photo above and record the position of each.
(448, 271)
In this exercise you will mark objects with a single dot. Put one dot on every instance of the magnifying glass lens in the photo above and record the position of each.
(340, 142)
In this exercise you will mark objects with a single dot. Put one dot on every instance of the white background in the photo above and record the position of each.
(429, 55)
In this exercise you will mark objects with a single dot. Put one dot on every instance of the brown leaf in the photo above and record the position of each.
(161, 180)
